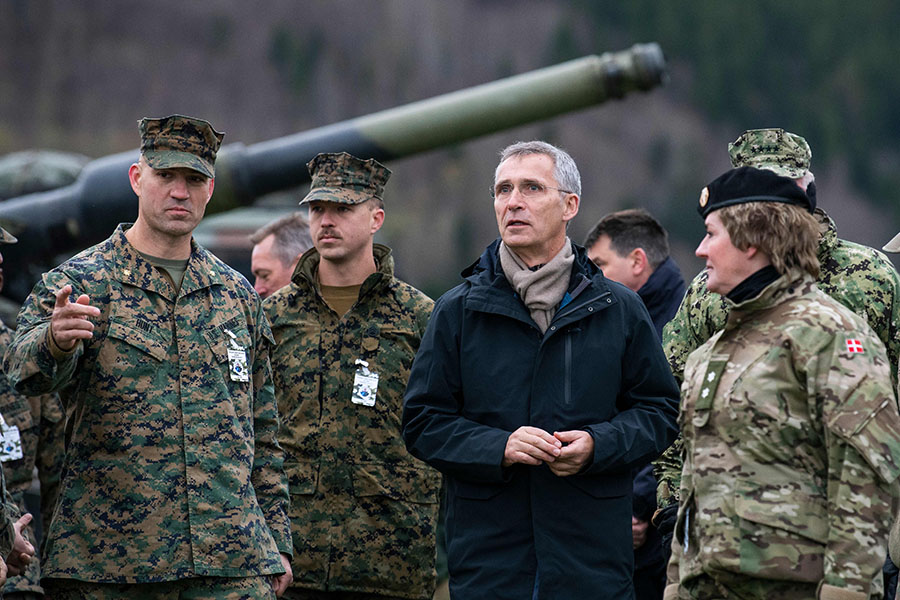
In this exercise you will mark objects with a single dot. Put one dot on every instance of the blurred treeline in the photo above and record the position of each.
(76, 75)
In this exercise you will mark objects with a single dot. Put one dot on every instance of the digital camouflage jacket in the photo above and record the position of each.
(792, 447)
(172, 469)
(861, 278)
(363, 510)
(40, 423)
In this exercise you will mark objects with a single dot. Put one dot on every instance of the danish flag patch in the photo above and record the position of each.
(855, 346)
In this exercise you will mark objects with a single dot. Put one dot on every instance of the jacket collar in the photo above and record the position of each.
(131, 268)
(487, 276)
(306, 269)
(792, 284)
(665, 279)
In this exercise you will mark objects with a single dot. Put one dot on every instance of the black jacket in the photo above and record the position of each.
(662, 294)
(483, 370)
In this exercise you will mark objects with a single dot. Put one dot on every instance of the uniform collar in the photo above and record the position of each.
(305, 271)
(132, 269)
(792, 284)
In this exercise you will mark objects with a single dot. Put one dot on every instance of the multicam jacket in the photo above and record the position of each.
(40, 423)
(172, 469)
(363, 510)
(792, 447)
(859, 277)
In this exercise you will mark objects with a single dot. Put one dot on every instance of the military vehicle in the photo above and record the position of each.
(54, 224)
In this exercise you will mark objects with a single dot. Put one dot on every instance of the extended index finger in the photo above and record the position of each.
(62, 296)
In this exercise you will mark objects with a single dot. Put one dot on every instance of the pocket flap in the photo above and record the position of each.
(138, 338)
(792, 506)
(302, 477)
(401, 482)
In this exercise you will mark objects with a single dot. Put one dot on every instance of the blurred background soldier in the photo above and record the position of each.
(859, 277)
(363, 510)
(173, 480)
(32, 432)
(277, 248)
(631, 247)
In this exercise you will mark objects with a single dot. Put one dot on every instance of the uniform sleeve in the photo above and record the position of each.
(29, 363)
(268, 477)
(862, 440)
(699, 316)
(433, 428)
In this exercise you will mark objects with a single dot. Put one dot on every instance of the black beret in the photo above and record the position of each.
(746, 184)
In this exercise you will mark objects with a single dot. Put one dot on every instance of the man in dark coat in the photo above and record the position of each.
(538, 387)
(632, 247)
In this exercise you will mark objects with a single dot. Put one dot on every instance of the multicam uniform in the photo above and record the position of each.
(792, 450)
(172, 468)
(860, 278)
(39, 422)
(363, 510)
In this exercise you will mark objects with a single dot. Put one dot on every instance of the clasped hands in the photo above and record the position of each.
(564, 452)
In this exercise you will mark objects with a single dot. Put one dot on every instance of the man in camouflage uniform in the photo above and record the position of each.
(173, 479)
(32, 430)
(13, 542)
(859, 277)
(791, 433)
(363, 511)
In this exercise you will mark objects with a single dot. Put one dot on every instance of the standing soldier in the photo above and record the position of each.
(31, 428)
(15, 549)
(363, 510)
(859, 277)
(172, 482)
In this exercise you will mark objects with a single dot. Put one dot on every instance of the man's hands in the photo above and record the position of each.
(638, 532)
(22, 551)
(70, 321)
(533, 446)
(281, 582)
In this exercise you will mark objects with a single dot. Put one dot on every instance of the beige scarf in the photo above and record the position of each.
(541, 290)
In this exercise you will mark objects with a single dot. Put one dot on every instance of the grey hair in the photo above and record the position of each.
(292, 237)
(564, 169)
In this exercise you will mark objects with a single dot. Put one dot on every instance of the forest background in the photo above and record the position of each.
(76, 75)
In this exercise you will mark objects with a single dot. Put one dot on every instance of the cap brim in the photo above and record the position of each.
(335, 194)
(893, 245)
(172, 159)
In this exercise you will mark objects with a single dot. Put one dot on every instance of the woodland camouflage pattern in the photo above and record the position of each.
(40, 422)
(792, 448)
(172, 469)
(363, 510)
(179, 141)
(786, 154)
(859, 277)
(344, 179)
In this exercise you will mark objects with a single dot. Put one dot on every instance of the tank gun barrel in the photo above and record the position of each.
(67, 219)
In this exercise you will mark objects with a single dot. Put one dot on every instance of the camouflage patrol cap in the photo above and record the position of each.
(343, 178)
(179, 141)
(777, 150)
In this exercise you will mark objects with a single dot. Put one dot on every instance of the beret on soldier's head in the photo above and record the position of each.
(179, 141)
(343, 178)
(746, 184)
(776, 150)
